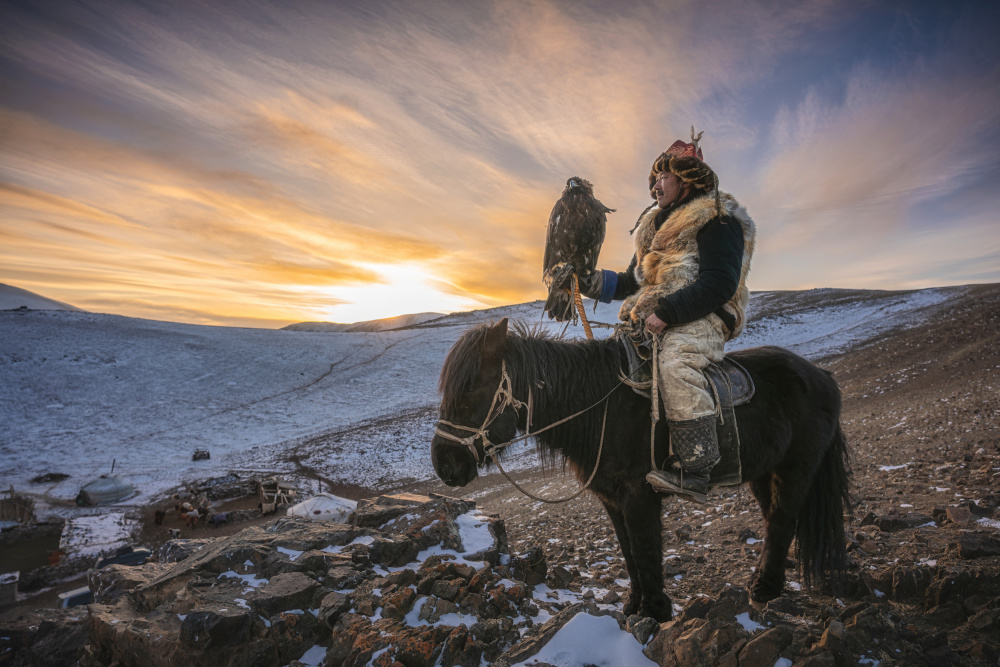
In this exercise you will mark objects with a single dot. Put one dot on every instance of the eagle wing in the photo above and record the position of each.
(573, 240)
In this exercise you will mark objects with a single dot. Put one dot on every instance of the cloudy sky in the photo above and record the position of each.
(257, 163)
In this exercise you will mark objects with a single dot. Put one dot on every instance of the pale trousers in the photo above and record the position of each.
(685, 351)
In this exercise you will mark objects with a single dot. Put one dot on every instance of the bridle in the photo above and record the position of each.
(503, 398)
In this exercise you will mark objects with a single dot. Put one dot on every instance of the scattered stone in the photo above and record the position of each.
(49, 478)
(643, 629)
(174, 551)
(45, 637)
(292, 590)
(977, 546)
(670, 571)
(561, 577)
(611, 597)
(697, 642)
(530, 567)
(959, 515)
(896, 520)
(765, 649)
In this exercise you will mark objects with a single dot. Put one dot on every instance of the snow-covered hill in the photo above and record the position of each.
(14, 297)
(81, 390)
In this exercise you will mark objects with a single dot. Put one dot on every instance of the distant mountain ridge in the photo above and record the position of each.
(385, 324)
(12, 298)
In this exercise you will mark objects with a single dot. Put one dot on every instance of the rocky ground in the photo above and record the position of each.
(922, 416)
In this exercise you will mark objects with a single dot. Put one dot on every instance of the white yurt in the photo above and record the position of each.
(104, 490)
(324, 507)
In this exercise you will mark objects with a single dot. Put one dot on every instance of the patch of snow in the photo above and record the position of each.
(783, 662)
(752, 540)
(364, 539)
(591, 640)
(891, 468)
(90, 536)
(314, 656)
(879, 594)
(291, 553)
(748, 623)
(249, 580)
(454, 619)
(474, 531)
(990, 523)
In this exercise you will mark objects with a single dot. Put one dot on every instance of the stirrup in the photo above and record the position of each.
(658, 480)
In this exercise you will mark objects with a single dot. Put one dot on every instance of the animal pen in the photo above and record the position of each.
(15, 507)
(273, 493)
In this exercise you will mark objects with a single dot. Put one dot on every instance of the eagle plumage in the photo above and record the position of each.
(572, 244)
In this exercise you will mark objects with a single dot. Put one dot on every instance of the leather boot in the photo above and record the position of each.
(695, 443)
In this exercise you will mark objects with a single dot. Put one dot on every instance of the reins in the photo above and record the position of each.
(504, 398)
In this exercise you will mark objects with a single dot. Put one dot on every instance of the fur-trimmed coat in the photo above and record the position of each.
(667, 258)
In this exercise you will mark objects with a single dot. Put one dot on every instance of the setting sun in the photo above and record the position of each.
(401, 289)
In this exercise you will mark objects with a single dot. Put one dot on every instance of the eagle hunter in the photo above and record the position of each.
(572, 243)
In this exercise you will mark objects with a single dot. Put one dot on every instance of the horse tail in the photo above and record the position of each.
(819, 533)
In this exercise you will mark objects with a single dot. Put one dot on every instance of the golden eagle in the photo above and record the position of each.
(572, 243)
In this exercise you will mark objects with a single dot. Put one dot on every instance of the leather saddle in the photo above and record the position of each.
(731, 386)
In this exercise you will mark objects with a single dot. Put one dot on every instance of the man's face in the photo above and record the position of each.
(667, 188)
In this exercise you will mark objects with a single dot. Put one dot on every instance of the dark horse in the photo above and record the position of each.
(792, 449)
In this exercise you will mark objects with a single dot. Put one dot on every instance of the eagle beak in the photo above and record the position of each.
(572, 183)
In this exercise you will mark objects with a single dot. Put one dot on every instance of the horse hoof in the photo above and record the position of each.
(661, 609)
(763, 593)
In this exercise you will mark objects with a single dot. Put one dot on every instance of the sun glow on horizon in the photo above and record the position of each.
(403, 289)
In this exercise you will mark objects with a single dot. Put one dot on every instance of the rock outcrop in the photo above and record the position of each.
(422, 581)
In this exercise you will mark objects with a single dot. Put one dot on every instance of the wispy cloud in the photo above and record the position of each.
(188, 154)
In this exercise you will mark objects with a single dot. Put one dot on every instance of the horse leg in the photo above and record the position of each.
(762, 586)
(634, 597)
(784, 495)
(645, 529)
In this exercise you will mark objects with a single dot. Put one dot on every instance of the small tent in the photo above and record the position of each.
(105, 489)
(324, 507)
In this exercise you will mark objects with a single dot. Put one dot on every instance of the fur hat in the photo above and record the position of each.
(687, 162)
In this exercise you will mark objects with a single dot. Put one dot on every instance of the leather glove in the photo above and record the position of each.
(592, 285)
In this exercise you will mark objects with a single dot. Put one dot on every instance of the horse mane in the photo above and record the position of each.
(574, 373)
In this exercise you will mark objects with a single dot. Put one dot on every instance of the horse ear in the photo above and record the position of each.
(496, 338)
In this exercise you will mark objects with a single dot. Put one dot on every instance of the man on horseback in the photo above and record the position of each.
(686, 285)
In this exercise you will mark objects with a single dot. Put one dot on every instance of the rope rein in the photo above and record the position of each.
(578, 300)
(553, 501)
